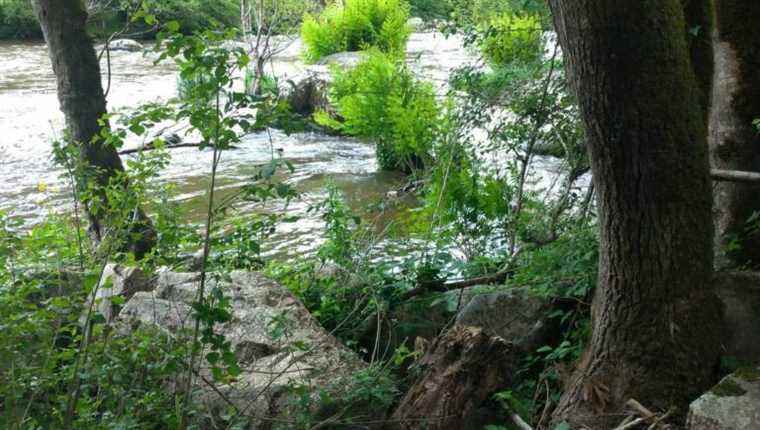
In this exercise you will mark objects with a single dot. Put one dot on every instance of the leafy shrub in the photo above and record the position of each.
(17, 20)
(195, 15)
(431, 9)
(510, 37)
(357, 25)
(382, 101)
(480, 12)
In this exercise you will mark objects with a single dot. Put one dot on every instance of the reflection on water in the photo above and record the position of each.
(30, 120)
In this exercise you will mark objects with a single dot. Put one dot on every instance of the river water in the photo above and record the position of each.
(31, 186)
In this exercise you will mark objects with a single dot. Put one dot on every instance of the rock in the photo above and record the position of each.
(343, 59)
(740, 293)
(416, 24)
(733, 404)
(171, 138)
(513, 315)
(308, 94)
(232, 45)
(128, 45)
(119, 281)
(277, 342)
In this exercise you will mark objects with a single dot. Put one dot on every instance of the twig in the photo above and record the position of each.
(522, 425)
(628, 424)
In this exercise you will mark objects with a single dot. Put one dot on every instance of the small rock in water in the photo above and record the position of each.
(172, 138)
(128, 45)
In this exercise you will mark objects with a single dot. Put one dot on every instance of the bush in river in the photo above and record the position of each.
(382, 101)
(356, 25)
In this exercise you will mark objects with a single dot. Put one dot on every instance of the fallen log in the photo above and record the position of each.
(150, 147)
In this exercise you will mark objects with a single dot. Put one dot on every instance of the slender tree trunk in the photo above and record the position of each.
(82, 101)
(655, 317)
(734, 143)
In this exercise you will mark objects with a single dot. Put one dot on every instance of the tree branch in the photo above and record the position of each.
(734, 175)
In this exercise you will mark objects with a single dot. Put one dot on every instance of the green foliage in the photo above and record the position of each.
(474, 13)
(431, 9)
(18, 21)
(382, 101)
(510, 37)
(41, 303)
(191, 16)
(363, 393)
(462, 196)
(268, 82)
(355, 25)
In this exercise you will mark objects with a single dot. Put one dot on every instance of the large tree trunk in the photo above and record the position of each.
(83, 103)
(655, 317)
(734, 143)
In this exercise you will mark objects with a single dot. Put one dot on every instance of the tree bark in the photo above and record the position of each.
(655, 316)
(82, 101)
(734, 143)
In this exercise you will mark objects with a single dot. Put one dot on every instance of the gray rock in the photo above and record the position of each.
(513, 315)
(740, 293)
(343, 59)
(733, 404)
(276, 340)
(122, 282)
(128, 45)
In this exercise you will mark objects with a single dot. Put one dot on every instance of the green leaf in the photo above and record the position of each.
(172, 26)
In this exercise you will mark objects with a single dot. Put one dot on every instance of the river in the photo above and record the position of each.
(31, 186)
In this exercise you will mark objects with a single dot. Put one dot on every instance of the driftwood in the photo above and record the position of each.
(734, 175)
(150, 147)
(462, 370)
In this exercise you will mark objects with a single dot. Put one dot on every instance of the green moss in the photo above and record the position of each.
(728, 388)
(749, 374)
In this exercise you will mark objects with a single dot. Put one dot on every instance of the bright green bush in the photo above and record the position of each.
(357, 25)
(510, 37)
(382, 101)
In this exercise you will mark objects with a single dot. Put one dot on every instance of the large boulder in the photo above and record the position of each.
(128, 45)
(515, 315)
(118, 282)
(733, 404)
(740, 293)
(279, 345)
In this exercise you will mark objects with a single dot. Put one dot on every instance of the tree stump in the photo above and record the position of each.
(462, 370)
